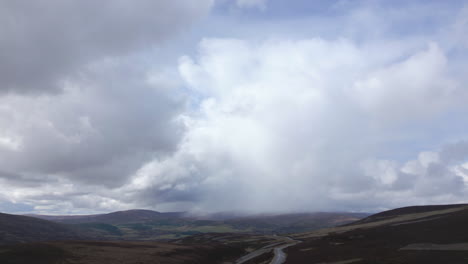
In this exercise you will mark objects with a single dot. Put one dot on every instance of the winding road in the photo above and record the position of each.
(279, 255)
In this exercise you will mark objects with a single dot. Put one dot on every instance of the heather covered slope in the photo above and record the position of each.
(421, 234)
(408, 211)
(17, 229)
(122, 252)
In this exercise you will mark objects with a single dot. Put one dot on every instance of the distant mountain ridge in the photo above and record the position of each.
(119, 217)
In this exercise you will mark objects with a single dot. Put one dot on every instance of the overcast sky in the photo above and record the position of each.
(232, 105)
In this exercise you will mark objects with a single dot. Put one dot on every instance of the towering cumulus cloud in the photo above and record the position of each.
(292, 125)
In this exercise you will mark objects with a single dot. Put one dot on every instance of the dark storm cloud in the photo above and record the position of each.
(43, 41)
(84, 100)
(99, 133)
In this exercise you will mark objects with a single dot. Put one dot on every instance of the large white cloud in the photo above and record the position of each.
(294, 125)
(421, 83)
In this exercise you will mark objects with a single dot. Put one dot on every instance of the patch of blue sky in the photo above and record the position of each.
(399, 17)
(405, 143)
(15, 208)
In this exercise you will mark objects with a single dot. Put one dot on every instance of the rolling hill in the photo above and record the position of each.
(152, 225)
(417, 234)
(18, 229)
(119, 217)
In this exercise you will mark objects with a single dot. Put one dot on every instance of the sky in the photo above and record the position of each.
(252, 106)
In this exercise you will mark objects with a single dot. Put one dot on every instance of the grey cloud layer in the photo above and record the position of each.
(93, 132)
(257, 123)
(80, 106)
(44, 41)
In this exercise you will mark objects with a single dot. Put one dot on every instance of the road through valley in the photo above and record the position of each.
(277, 247)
